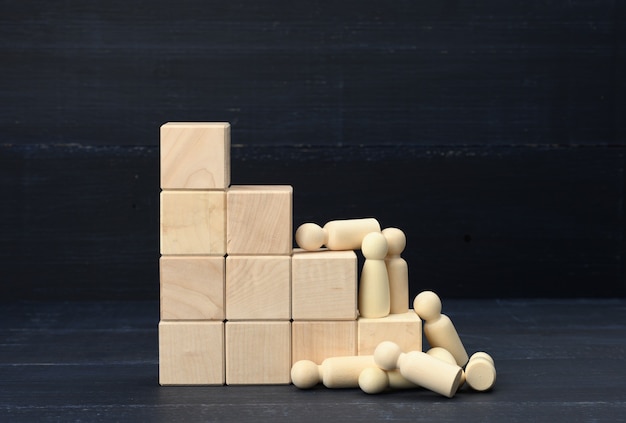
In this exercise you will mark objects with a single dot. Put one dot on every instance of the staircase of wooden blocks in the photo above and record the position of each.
(240, 305)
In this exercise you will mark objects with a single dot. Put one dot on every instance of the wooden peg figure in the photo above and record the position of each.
(336, 234)
(397, 270)
(480, 372)
(334, 372)
(420, 368)
(374, 380)
(438, 328)
(374, 301)
(443, 354)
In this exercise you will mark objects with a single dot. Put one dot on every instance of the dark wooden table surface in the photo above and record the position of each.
(557, 360)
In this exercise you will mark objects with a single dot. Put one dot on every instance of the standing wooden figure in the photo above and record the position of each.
(374, 299)
(398, 271)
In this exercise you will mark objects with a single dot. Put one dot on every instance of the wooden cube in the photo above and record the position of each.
(258, 353)
(195, 155)
(324, 285)
(317, 341)
(192, 287)
(191, 353)
(404, 329)
(193, 222)
(259, 220)
(258, 287)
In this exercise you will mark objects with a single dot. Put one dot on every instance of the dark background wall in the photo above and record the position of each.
(492, 132)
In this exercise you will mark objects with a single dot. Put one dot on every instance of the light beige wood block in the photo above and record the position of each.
(195, 155)
(193, 222)
(258, 287)
(324, 285)
(192, 287)
(317, 341)
(191, 353)
(258, 353)
(403, 329)
(260, 219)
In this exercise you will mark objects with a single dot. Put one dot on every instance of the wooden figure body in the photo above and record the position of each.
(397, 270)
(480, 372)
(438, 328)
(374, 380)
(334, 372)
(445, 355)
(420, 368)
(374, 299)
(441, 354)
(336, 234)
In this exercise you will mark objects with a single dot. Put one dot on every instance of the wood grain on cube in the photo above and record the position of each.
(324, 285)
(191, 353)
(319, 340)
(195, 155)
(260, 219)
(404, 329)
(192, 287)
(258, 287)
(193, 222)
(258, 353)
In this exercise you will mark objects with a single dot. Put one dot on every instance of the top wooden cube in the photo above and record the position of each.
(195, 155)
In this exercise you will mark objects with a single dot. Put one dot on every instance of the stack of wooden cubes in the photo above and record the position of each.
(240, 305)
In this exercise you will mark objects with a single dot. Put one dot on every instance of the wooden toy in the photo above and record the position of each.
(258, 352)
(334, 372)
(336, 235)
(480, 372)
(438, 328)
(445, 355)
(262, 284)
(259, 220)
(193, 222)
(420, 368)
(323, 285)
(441, 354)
(191, 353)
(195, 155)
(403, 329)
(374, 380)
(192, 287)
(258, 287)
(317, 341)
(374, 283)
(397, 270)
